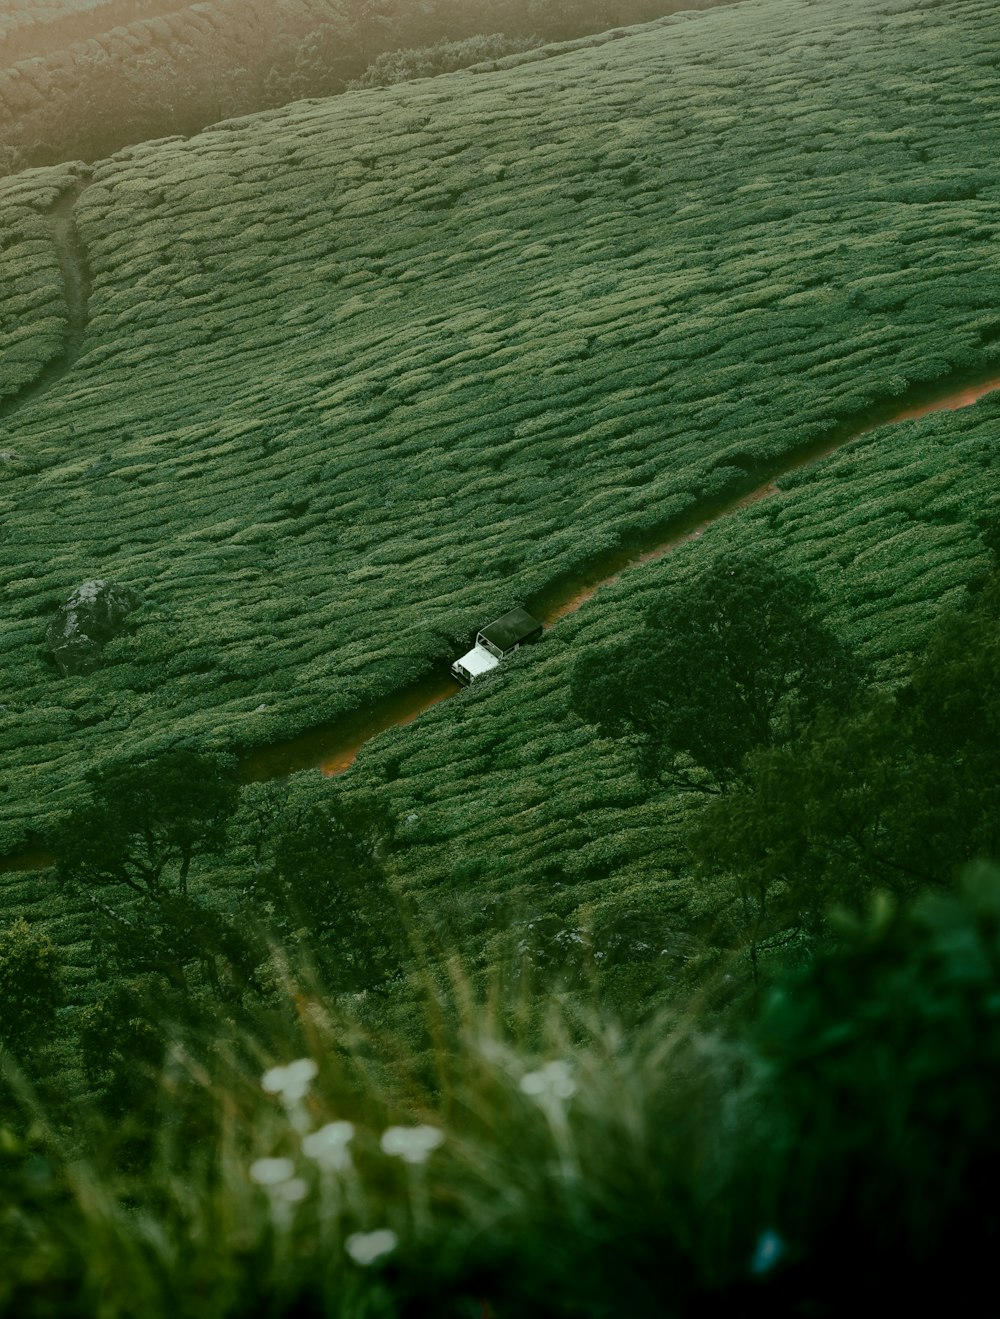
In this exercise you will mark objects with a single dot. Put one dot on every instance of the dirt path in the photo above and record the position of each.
(72, 258)
(75, 270)
(334, 748)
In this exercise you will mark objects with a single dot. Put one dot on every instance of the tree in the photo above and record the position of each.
(146, 823)
(730, 660)
(897, 792)
(809, 827)
(31, 987)
(370, 24)
(328, 879)
(142, 832)
(176, 937)
(121, 1046)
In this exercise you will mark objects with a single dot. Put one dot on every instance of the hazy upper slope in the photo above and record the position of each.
(27, 26)
(84, 78)
(87, 77)
(363, 371)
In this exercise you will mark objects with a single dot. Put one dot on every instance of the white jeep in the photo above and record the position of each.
(502, 637)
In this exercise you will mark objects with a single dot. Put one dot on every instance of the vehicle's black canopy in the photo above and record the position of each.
(514, 627)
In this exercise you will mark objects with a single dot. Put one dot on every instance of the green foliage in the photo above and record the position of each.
(898, 792)
(31, 987)
(444, 57)
(527, 1164)
(329, 882)
(735, 659)
(120, 1038)
(146, 823)
(132, 849)
(32, 302)
(840, 1141)
(876, 1150)
(185, 939)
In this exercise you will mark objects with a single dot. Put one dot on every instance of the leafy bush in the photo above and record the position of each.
(31, 987)
(876, 1151)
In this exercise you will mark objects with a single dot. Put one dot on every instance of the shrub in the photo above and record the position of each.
(31, 987)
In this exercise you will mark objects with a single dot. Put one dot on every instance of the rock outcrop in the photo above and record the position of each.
(79, 629)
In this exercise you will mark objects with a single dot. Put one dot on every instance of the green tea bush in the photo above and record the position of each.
(31, 987)
(32, 302)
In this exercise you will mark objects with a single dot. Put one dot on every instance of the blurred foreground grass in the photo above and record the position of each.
(839, 1143)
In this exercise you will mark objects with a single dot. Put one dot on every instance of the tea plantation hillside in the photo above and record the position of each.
(361, 372)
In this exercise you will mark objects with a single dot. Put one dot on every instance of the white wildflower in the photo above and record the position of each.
(412, 1144)
(271, 1172)
(328, 1146)
(553, 1081)
(366, 1247)
(290, 1192)
(290, 1082)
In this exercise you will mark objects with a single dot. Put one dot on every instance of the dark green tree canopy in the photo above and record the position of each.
(328, 876)
(897, 792)
(133, 846)
(31, 986)
(145, 823)
(731, 659)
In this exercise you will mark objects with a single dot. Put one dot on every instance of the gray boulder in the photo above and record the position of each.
(79, 629)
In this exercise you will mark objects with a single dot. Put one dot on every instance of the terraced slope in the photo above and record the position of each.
(27, 26)
(361, 372)
(517, 819)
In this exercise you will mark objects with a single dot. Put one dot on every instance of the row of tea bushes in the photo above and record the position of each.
(524, 835)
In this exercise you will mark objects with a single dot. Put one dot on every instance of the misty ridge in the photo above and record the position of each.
(83, 81)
